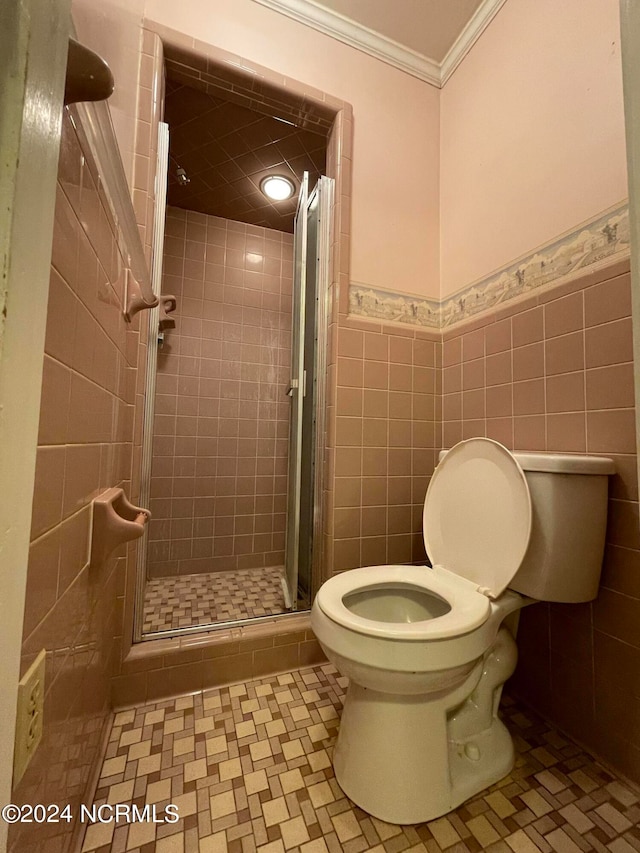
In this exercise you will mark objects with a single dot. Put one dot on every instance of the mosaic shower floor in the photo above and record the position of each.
(249, 767)
(188, 600)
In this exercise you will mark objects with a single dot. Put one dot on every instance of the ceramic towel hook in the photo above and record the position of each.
(138, 298)
(114, 520)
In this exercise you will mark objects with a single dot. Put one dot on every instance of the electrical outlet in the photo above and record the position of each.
(29, 716)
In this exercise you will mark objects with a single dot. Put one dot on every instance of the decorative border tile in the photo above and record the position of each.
(600, 241)
(393, 307)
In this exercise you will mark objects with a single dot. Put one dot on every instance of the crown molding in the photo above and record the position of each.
(343, 29)
(476, 25)
(356, 35)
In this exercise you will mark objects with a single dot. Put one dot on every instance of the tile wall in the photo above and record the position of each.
(220, 448)
(382, 442)
(157, 669)
(151, 92)
(89, 440)
(556, 373)
(84, 447)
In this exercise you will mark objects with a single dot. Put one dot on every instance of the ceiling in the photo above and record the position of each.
(226, 149)
(430, 27)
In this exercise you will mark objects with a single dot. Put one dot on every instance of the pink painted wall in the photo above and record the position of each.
(532, 134)
(395, 239)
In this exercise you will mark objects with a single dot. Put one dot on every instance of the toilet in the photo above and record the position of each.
(428, 649)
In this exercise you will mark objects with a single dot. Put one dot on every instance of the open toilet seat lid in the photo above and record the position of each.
(477, 514)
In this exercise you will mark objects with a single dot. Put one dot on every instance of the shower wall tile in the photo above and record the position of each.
(221, 429)
(558, 376)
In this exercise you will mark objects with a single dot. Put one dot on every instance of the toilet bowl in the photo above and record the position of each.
(427, 649)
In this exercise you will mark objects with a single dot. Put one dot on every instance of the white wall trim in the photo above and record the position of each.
(339, 27)
(477, 24)
(356, 35)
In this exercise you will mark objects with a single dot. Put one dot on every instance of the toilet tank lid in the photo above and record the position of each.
(559, 463)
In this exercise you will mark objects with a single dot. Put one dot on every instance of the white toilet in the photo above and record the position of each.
(427, 650)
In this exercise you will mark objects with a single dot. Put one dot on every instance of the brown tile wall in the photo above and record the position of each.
(89, 440)
(151, 87)
(220, 448)
(556, 373)
(157, 669)
(382, 442)
(84, 447)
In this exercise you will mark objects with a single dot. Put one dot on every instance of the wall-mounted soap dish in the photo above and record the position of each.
(114, 520)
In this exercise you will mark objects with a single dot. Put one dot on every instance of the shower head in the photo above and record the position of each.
(181, 175)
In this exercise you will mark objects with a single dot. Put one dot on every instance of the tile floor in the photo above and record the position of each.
(187, 600)
(249, 767)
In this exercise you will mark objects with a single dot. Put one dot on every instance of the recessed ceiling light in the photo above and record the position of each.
(277, 188)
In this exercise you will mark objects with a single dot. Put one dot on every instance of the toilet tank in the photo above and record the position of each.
(568, 526)
(569, 522)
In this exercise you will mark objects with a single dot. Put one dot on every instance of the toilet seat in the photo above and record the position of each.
(477, 514)
(469, 608)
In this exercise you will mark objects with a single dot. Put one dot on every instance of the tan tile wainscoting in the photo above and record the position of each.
(554, 372)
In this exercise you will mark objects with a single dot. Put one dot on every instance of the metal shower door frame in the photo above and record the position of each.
(311, 392)
(296, 391)
(151, 368)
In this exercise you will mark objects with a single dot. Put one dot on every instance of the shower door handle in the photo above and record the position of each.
(295, 385)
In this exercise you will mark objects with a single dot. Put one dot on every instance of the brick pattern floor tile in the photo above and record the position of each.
(249, 767)
(184, 601)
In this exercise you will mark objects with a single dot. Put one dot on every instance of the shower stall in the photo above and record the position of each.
(233, 440)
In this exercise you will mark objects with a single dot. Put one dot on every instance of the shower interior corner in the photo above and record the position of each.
(221, 443)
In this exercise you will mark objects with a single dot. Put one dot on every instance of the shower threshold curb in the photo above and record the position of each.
(171, 666)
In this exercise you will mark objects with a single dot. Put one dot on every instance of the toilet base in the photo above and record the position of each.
(492, 759)
(393, 759)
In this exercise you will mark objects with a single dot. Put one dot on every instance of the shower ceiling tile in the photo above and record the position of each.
(213, 154)
(227, 149)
